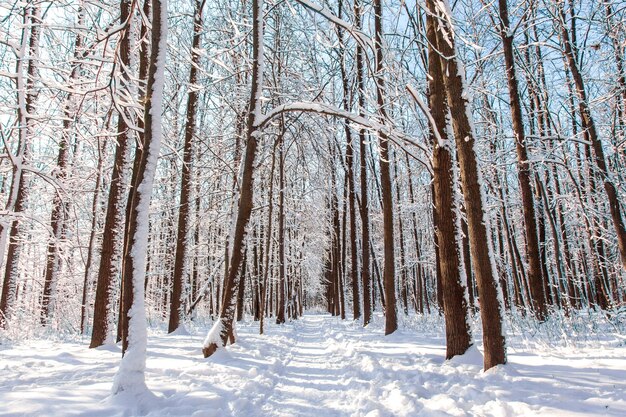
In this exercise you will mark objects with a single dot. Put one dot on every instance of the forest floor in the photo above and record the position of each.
(320, 366)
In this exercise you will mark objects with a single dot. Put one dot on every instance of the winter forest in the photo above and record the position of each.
(358, 208)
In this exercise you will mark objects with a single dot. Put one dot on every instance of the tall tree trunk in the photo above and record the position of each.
(280, 315)
(60, 206)
(130, 375)
(354, 272)
(113, 237)
(268, 242)
(242, 287)
(144, 62)
(403, 270)
(95, 208)
(458, 337)
(416, 241)
(535, 278)
(488, 288)
(223, 327)
(26, 97)
(366, 279)
(391, 320)
(182, 238)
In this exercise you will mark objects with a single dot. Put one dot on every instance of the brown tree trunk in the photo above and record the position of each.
(182, 237)
(92, 238)
(354, 272)
(268, 243)
(113, 237)
(403, 270)
(366, 279)
(391, 320)
(490, 308)
(242, 287)
(60, 207)
(131, 370)
(227, 312)
(280, 315)
(144, 57)
(417, 269)
(458, 337)
(535, 279)
(26, 97)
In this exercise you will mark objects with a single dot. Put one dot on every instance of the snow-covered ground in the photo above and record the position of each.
(318, 366)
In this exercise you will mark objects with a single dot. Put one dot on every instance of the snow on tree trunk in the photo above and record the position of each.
(26, 97)
(130, 376)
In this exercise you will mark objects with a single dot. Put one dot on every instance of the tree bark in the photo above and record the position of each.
(490, 306)
(458, 336)
(113, 237)
(182, 238)
(130, 375)
(391, 320)
(535, 279)
(26, 97)
(225, 323)
(280, 315)
(95, 208)
(366, 279)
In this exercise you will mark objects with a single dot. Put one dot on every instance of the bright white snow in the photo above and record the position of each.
(319, 366)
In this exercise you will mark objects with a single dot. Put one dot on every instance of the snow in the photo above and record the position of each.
(213, 337)
(316, 366)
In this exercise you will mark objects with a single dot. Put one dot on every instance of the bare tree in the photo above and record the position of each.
(186, 186)
(488, 288)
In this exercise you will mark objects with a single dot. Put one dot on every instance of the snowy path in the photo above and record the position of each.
(317, 366)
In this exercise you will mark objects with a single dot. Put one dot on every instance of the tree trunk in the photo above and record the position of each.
(488, 288)
(130, 376)
(26, 97)
(60, 206)
(242, 287)
(366, 279)
(458, 336)
(223, 327)
(113, 237)
(391, 320)
(535, 279)
(95, 208)
(182, 238)
(403, 270)
(268, 243)
(354, 272)
(280, 315)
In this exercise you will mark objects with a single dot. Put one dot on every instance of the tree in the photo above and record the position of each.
(130, 376)
(458, 337)
(60, 204)
(523, 168)
(223, 328)
(391, 320)
(27, 57)
(366, 279)
(457, 100)
(590, 126)
(186, 186)
(113, 236)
